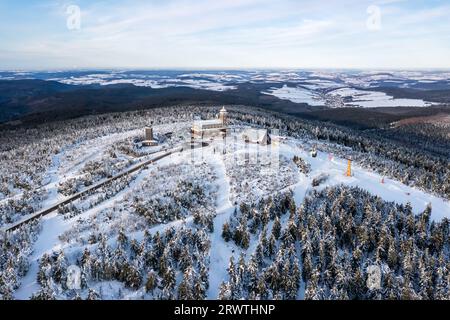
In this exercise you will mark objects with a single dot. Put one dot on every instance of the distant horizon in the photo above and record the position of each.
(294, 69)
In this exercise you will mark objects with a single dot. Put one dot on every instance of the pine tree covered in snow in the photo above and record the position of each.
(323, 250)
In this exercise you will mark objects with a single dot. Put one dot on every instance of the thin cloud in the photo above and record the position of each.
(224, 33)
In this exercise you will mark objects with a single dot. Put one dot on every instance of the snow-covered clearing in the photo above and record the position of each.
(372, 99)
(297, 95)
(196, 82)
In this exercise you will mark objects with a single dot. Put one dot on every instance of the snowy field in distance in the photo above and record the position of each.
(373, 99)
(222, 80)
(212, 84)
(297, 95)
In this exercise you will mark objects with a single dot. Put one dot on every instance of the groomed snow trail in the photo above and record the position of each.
(220, 252)
(48, 241)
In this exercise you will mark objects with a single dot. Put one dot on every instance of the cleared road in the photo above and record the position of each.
(94, 187)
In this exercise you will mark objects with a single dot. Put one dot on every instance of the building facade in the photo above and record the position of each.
(211, 128)
(256, 136)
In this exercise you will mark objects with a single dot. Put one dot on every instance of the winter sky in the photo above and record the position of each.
(47, 34)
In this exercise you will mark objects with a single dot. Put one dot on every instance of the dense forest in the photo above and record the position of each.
(302, 252)
(324, 248)
(172, 265)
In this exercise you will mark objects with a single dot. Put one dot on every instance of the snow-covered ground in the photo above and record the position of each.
(340, 97)
(222, 161)
(221, 80)
(372, 99)
(315, 84)
(196, 82)
(297, 95)
(387, 189)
